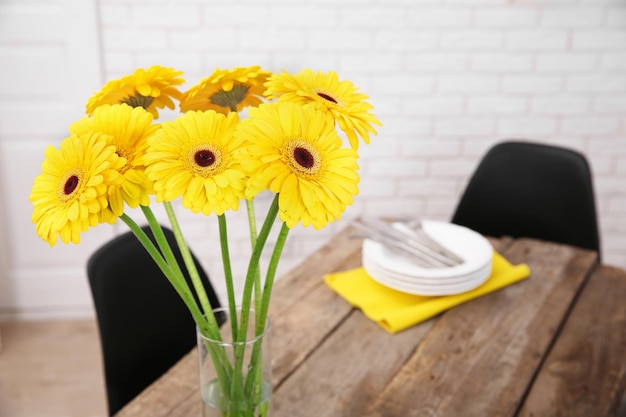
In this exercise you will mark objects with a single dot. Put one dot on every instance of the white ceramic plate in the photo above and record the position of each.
(398, 272)
(411, 279)
(428, 288)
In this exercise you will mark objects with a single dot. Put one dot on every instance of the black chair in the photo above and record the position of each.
(144, 325)
(524, 189)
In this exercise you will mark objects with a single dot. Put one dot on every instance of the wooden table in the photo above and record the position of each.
(552, 345)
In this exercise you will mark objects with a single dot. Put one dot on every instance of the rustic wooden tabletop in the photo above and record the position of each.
(552, 345)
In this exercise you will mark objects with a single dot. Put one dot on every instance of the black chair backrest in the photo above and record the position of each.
(144, 325)
(525, 189)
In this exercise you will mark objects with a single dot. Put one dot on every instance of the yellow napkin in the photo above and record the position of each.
(395, 311)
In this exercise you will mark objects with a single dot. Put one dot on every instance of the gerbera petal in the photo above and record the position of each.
(70, 181)
(307, 193)
(140, 89)
(194, 157)
(195, 188)
(304, 155)
(210, 187)
(340, 99)
(116, 201)
(226, 90)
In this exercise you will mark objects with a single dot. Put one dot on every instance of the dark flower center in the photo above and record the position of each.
(304, 157)
(139, 101)
(204, 158)
(327, 97)
(70, 184)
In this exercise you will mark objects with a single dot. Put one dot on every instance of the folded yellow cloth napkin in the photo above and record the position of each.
(395, 311)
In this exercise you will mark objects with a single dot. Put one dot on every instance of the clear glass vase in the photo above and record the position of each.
(235, 376)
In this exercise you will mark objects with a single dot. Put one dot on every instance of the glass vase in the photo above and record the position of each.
(235, 375)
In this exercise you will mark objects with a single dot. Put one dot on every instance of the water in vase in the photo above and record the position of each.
(215, 404)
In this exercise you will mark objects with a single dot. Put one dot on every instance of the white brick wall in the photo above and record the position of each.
(448, 79)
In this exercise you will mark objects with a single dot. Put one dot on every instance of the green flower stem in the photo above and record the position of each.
(219, 357)
(211, 328)
(176, 281)
(253, 266)
(176, 278)
(254, 377)
(253, 237)
(165, 248)
(163, 244)
(191, 265)
(228, 273)
(271, 274)
(208, 324)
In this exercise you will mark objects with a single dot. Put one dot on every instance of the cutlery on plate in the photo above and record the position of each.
(415, 244)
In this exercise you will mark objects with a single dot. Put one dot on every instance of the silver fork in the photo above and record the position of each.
(415, 226)
(419, 247)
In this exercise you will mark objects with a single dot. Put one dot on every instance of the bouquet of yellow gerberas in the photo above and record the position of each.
(118, 157)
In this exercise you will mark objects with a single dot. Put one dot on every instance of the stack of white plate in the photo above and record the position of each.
(402, 274)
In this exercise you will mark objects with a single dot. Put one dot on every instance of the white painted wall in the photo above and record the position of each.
(50, 56)
(448, 79)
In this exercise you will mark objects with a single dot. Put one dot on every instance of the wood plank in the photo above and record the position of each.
(303, 311)
(298, 332)
(585, 373)
(336, 255)
(480, 357)
(352, 366)
(347, 372)
(622, 409)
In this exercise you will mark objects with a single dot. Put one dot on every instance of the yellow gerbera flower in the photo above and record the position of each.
(69, 195)
(151, 89)
(128, 130)
(297, 153)
(339, 99)
(227, 90)
(196, 156)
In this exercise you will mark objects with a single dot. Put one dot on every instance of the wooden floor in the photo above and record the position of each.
(51, 369)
